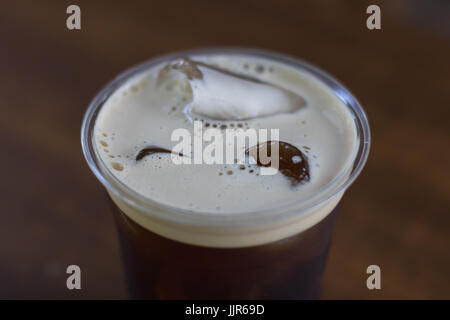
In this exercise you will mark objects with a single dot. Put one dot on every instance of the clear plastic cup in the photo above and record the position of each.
(170, 253)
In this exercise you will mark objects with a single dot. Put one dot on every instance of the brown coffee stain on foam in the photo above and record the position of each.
(152, 150)
(103, 143)
(296, 171)
(105, 135)
(117, 166)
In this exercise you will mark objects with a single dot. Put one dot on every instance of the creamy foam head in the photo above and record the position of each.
(146, 110)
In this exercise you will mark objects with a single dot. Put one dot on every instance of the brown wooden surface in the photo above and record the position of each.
(54, 212)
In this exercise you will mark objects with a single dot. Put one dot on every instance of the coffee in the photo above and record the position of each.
(235, 230)
(160, 268)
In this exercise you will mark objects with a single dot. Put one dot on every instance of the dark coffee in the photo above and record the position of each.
(160, 268)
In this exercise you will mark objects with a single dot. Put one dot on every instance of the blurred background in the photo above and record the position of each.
(54, 212)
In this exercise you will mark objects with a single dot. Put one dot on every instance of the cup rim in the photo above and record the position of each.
(169, 213)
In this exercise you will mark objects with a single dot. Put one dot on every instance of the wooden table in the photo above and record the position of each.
(54, 212)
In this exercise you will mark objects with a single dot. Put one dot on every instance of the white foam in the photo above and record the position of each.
(141, 113)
